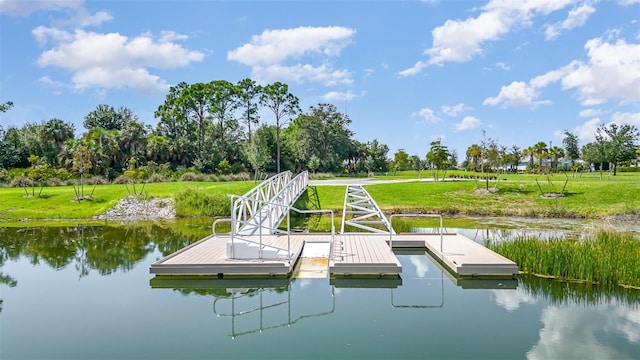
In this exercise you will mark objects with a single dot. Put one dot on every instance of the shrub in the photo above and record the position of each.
(195, 202)
(97, 179)
(242, 176)
(190, 176)
(121, 180)
(156, 178)
(4, 176)
(21, 181)
(628, 168)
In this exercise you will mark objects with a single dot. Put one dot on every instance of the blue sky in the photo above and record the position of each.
(406, 73)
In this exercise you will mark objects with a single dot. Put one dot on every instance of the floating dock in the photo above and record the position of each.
(256, 246)
(352, 255)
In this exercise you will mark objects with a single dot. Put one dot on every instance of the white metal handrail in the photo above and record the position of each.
(364, 209)
(255, 210)
(233, 236)
(416, 215)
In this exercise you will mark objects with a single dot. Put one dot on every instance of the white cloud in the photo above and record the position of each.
(626, 118)
(333, 96)
(301, 72)
(27, 7)
(421, 264)
(510, 300)
(428, 115)
(454, 110)
(575, 332)
(462, 40)
(416, 69)
(516, 94)
(57, 86)
(503, 66)
(612, 72)
(112, 60)
(590, 112)
(266, 54)
(577, 17)
(468, 123)
(586, 132)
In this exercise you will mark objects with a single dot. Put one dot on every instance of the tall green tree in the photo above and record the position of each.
(620, 143)
(187, 107)
(571, 147)
(249, 99)
(594, 153)
(400, 160)
(323, 133)
(13, 150)
(376, 158)
(108, 118)
(555, 154)
(224, 101)
(258, 151)
(540, 151)
(54, 133)
(474, 154)
(439, 157)
(283, 104)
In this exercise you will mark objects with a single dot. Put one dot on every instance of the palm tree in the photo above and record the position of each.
(528, 152)
(540, 151)
(556, 153)
(474, 153)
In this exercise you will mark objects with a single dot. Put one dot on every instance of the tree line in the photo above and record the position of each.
(615, 145)
(212, 128)
(216, 128)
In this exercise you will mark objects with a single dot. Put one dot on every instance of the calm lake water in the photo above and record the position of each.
(86, 293)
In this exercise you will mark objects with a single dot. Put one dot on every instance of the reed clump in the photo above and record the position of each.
(608, 258)
(197, 202)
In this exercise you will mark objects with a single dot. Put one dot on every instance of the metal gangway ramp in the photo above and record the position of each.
(259, 212)
(360, 211)
(262, 208)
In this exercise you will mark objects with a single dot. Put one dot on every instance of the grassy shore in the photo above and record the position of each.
(56, 203)
(517, 195)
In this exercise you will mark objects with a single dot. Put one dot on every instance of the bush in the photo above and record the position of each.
(241, 176)
(97, 179)
(156, 178)
(21, 181)
(195, 202)
(190, 176)
(4, 176)
(121, 180)
(628, 168)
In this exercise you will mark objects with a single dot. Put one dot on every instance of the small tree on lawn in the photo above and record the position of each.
(439, 157)
(81, 164)
(134, 175)
(314, 163)
(38, 172)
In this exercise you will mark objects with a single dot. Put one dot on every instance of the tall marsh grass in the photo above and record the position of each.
(196, 202)
(608, 258)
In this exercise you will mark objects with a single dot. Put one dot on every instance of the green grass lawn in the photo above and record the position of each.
(56, 202)
(517, 195)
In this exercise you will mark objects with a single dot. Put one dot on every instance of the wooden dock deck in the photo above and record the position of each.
(363, 254)
(208, 257)
(355, 254)
(460, 254)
